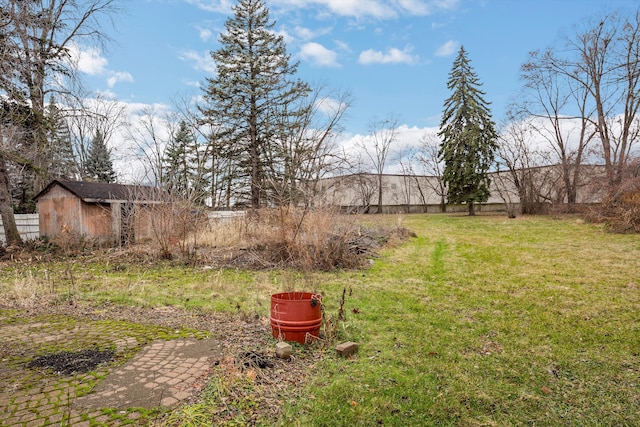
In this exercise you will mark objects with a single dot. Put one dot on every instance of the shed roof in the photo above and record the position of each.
(102, 192)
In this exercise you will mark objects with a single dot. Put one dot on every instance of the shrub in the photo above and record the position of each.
(620, 210)
(305, 238)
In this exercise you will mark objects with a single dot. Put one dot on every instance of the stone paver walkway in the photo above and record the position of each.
(162, 374)
(157, 373)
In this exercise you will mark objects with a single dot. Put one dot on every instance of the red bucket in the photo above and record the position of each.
(296, 316)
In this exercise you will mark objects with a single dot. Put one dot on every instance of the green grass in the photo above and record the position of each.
(478, 321)
(488, 321)
(162, 284)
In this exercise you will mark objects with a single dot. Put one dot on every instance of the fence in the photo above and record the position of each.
(28, 227)
(225, 215)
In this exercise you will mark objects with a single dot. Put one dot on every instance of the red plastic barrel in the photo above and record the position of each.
(296, 316)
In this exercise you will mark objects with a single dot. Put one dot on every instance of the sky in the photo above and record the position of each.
(392, 56)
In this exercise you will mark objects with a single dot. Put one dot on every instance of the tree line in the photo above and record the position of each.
(263, 137)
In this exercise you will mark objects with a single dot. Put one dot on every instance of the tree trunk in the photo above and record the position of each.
(254, 156)
(6, 210)
(472, 209)
(379, 193)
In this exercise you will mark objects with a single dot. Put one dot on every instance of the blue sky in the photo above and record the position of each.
(394, 56)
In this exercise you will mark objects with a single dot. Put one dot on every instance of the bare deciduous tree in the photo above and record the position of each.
(548, 98)
(382, 134)
(521, 166)
(603, 60)
(300, 158)
(38, 37)
(90, 116)
(150, 135)
(432, 166)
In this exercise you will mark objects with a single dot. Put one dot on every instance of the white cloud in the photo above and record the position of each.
(359, 8)
(343, 46)
(380, 9)
(319, 55)
(88, 60)
(205, 34)
(426, 7)
(448, 49)
(200, 61)
(193, 83)
(299, 33)
(106, 94)
(142, 109)
(415, 7)
(328, 105)
(218, 6)
(304, 33)
(307, 33)
(288, 38)
(392, 56)
(352, 8)
(119, 76)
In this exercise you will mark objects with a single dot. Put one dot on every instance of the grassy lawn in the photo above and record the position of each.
(477, 321)
(488, 321)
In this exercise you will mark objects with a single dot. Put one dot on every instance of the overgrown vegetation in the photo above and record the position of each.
(620, 210)
(477, 321)
(286, 237)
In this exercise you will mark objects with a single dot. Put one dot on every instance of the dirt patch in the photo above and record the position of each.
(69, 362)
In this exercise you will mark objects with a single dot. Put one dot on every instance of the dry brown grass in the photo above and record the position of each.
(26, 289)
(306, 239)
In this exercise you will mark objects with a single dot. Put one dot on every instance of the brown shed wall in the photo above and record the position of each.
(96, 220)
(60, 210)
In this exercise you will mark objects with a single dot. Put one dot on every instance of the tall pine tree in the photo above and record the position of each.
(469, 138)
(184, 173)
(253, 90)
(98, 166)
(61, 158)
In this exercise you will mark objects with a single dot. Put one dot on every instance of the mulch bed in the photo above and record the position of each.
(72, 362)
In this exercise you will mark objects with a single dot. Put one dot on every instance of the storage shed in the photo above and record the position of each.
(108, 213)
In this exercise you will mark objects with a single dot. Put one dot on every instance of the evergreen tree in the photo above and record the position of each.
(468, 134)
(183, 171)
(176, 168)
(253, 90)
(99, 166)
(61, 158)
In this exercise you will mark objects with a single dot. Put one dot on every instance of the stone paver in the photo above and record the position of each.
(136, 385)
(160, 374)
